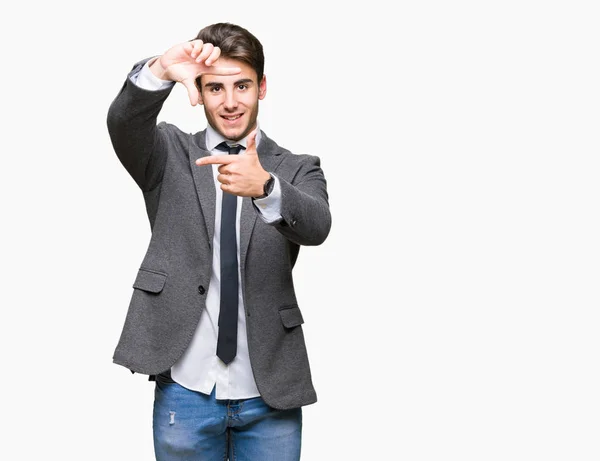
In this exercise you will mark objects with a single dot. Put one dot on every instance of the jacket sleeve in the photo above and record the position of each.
(306, 219)
(139, 143)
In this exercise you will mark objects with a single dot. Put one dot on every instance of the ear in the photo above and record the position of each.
(262, 88)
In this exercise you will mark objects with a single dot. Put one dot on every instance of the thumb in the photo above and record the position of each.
(192, 90)
(251, 142)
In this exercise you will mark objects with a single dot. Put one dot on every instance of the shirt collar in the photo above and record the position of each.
(214, 138)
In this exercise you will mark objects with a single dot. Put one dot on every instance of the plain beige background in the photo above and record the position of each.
(453, 312)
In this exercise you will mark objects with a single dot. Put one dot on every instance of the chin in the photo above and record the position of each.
(233, 134)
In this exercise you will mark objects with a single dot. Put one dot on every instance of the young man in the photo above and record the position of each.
(213, 318)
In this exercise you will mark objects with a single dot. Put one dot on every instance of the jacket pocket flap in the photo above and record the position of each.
(150, 281)
(291, 316)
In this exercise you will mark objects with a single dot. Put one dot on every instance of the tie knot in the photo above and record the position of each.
(233, 150)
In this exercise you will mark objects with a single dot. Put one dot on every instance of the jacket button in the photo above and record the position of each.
(201, 289)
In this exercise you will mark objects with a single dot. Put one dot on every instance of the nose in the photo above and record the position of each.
(230, 101)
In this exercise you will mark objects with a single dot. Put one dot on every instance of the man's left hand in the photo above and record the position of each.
(240, 174)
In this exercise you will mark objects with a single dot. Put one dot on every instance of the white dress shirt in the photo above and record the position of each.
(199, 368)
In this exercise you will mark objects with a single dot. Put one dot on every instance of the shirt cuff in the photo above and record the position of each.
(269, 208)
(148, 81)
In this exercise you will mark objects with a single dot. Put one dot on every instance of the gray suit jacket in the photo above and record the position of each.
(169, 292)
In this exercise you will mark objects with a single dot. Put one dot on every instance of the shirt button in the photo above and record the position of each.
(201, 290)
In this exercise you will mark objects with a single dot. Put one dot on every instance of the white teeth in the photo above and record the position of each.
(232, 118)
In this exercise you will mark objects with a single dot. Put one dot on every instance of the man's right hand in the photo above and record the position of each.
(186, 61)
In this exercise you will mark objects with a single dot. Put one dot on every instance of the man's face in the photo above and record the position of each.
(231, 101)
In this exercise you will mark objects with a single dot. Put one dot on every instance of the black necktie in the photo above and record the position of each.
(228, 314)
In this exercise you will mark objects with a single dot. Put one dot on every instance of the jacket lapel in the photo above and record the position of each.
(205, 183)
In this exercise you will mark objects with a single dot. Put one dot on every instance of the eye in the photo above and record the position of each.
(215, 89)
(242, 86)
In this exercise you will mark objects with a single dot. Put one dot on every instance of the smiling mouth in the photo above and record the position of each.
(231, 118)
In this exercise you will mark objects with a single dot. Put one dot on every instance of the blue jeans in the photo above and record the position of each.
(190, 425)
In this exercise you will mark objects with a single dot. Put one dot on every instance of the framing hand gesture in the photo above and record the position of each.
(240, 174)
(186, 61)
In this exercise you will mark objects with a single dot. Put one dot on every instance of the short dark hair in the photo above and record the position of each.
(236, 43)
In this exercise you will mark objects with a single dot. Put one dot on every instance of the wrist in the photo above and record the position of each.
(267, 187)
(157, 69)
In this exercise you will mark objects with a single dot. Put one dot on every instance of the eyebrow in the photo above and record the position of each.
(237, 82)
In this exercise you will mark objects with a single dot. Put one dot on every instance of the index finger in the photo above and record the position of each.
(223, 70)
(216, 160)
